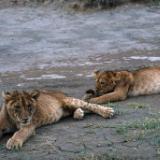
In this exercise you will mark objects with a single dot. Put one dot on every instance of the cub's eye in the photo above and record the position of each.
(29, 108)
(17, 108)
(102, 82)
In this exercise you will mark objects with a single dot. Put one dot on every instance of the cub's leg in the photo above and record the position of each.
(78, 114)
(119, 94)
(5, 125)
(89, 94)
(72, 103)
(19, 137)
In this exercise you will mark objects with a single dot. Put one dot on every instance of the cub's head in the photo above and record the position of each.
(105, 81)
(21, 105)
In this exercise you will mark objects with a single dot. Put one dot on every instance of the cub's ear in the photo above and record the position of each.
(117, 76)
(96, 73)
(6, 95)
(35, 94)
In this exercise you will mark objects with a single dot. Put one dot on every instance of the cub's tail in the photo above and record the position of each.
(74, 103)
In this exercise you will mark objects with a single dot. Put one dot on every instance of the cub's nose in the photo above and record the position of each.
(25, 120)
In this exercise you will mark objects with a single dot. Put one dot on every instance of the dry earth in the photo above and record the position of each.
(134, 132)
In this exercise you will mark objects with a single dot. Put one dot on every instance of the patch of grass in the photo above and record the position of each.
(147, 129)
(155, 139)
(118, 109)
(137, 105)
(2, 146)
(105, 156)
(104, 4)
(23, 156)
(88, 126)
(97, 4)
(155, 2)
(113, 105)
(146, 124)
(121, 130)
(88, 132)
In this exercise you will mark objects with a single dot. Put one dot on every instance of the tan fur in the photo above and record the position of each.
(26, 111)
(118, 85)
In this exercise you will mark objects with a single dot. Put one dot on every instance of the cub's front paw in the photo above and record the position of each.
(107, 112)
(88, 95)
(78, 114)
(13, 143)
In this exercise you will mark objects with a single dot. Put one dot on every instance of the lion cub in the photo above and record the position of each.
(118, 85)
(25, 111)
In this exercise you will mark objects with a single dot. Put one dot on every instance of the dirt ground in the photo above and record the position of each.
(133, 133)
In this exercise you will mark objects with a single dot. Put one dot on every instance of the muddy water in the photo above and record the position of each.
(45, 37)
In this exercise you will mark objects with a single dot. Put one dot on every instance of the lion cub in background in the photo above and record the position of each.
(25, 111)
(118, 85)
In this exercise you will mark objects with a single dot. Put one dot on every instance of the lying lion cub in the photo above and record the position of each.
(118, 85)
(24, 112)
